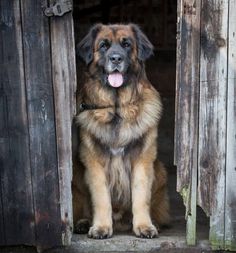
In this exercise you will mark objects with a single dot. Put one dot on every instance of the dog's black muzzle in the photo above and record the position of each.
(116, 59)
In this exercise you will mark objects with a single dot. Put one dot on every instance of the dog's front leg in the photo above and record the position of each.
(142, 178)
(101, 201)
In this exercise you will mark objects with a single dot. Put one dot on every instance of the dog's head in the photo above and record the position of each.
(115, 52)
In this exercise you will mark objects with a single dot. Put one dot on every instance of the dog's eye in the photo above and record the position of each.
(104, 45)
(125, 43)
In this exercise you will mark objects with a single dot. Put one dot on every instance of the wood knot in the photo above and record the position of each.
(205, 164)
(220, 42)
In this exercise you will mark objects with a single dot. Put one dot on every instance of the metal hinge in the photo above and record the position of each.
(58, 8)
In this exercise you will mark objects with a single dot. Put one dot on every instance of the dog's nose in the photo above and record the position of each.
(116, 58)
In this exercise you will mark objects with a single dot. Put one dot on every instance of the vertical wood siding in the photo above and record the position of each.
(64, 84)
(230, 205)
(214, 120)
(42, 132)
(186, 131)
(37, 85)
(17, 207)
(212, 116)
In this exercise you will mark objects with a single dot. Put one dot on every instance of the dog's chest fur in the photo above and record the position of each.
(118, 175)
(119, 162)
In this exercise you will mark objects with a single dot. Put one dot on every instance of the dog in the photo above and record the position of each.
(118, 182)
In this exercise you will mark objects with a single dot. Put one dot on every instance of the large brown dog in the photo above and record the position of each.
(120, 182)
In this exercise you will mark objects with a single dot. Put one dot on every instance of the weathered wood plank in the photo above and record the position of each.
(186, 139)
(230, 205)
(177, 77)
(37, 55)
(2, 226)
(64, 84)
(16, 186)
(212, 116)
(3, 135)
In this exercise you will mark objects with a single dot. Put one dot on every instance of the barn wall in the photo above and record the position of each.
(37, 86)
(205, 116)
(17, 203)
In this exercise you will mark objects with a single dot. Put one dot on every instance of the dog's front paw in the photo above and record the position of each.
(100, 232)
(145, 231)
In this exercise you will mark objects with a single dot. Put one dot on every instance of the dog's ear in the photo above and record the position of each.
(84, 49)
(145, 47)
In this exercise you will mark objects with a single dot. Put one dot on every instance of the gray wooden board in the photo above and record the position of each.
(64, 83)
(212, 116)
(16, 186)
(177, 78)
(3, 135)
(186, 137)
(37, 56)
(187, 99)
(230, 205)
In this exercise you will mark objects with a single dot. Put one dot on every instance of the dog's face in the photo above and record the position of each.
(115, 53)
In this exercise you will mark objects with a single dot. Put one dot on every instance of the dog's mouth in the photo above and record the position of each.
(115, 79)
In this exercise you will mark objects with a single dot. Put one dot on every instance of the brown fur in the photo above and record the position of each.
(118, 181)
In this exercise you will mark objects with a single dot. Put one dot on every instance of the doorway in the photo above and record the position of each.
(157, 18)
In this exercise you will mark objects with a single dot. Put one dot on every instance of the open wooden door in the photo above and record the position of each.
(37, 86)
(205, 127)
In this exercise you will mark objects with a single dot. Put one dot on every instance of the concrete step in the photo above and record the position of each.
(130, 243)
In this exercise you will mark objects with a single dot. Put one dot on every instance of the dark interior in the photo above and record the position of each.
(157, 18)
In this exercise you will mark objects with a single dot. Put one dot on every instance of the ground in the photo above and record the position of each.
(122, 243)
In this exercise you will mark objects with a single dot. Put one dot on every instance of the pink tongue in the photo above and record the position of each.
(115, 79)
